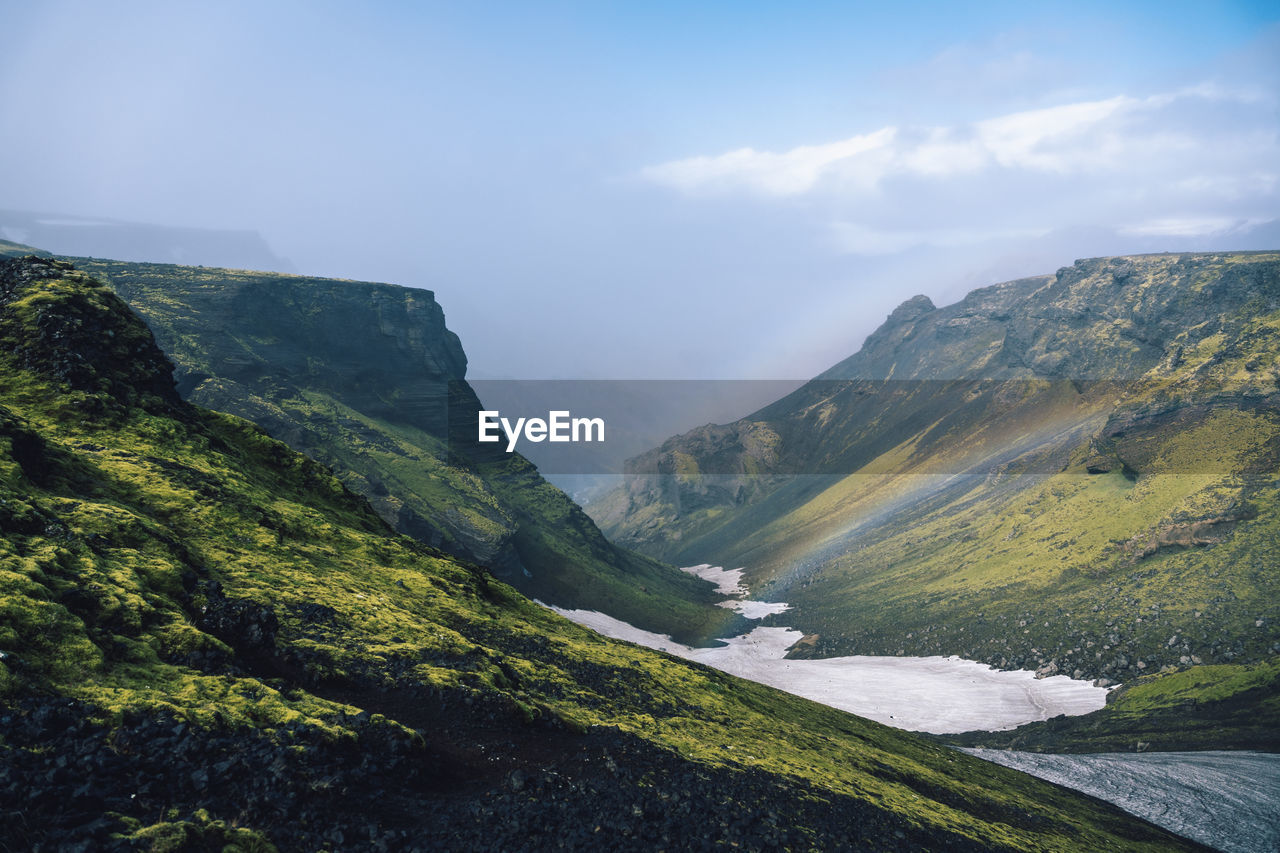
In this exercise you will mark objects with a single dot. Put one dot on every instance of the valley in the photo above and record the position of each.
(1071, 474)
(206, 581)
(640, 427)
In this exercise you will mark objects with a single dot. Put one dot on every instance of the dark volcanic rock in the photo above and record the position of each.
(244, 625)
(494, 786)
(86, 340)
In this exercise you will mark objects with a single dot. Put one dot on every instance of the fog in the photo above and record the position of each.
(740, 191)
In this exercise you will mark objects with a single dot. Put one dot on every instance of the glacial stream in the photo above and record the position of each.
(1226, 800)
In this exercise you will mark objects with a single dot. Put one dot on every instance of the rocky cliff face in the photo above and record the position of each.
(1102, 318)
(385, 349)
(1139, 392)
(258, 346)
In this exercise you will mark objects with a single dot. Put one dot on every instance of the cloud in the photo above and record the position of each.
(788, 173)
(1204, 226)
(852, 238)
(1086, 136)
(1199, 161)
(1057, 139)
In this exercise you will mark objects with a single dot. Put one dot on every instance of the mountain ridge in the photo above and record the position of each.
(1068, 473)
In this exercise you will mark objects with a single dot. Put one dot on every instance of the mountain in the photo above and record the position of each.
(367, 379)
(112, 238)
(208, 642)
(1224, 706)
(1073, 473)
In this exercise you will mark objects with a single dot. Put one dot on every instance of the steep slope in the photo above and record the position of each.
(206, 640)
(1073, 473)
(367, 379)
(1210, 707)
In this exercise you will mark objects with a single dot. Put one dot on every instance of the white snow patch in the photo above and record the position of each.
(756, 609)
(619, 630)
(727, 581)
(932, 694)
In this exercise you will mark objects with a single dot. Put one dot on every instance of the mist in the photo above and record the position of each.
(736, 192)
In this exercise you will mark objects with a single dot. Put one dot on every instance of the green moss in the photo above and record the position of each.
(1202, 707)
(197, 832)
(1200, 685)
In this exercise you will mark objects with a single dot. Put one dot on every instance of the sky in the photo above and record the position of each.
(657, 190)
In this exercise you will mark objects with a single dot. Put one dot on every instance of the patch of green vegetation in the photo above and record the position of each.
(1198, 685)
(9, 249)
(1203, 707)
(1000, 562)
(197, 832)
(130, 519)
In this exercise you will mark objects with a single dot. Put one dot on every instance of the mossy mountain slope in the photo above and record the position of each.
(1074, 473)
(208, 642)
(367, 379)
(1225, 706)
